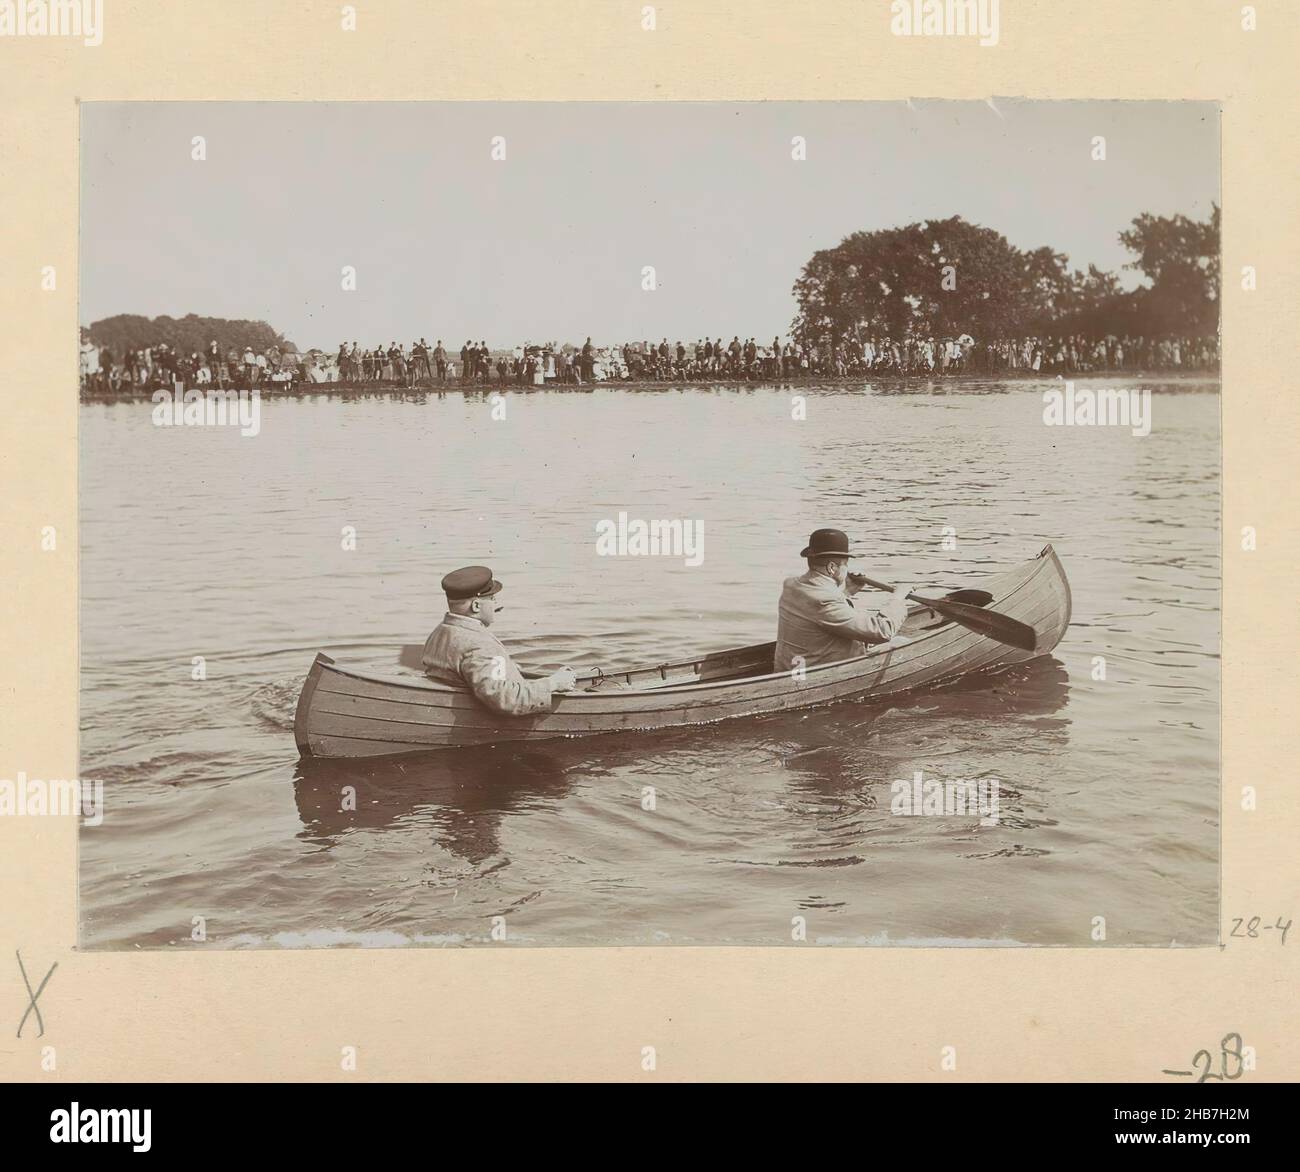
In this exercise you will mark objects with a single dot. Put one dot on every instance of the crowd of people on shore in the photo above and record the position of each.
(161, 365)
(548, 364)
(1068, 354)
(536, 365)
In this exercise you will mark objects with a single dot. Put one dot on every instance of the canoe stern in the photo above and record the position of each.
(302, 716)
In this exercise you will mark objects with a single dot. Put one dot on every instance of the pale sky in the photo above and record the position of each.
(549, 245)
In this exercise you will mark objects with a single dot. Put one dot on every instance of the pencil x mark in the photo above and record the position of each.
(32, 1006)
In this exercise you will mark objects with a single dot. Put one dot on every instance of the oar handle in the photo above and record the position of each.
(882, 586)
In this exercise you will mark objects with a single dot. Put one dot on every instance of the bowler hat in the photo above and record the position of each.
(827, 543)
(470, 582)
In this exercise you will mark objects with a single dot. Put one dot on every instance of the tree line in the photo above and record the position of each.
(934, 278)
(943, 278)
(190, 334)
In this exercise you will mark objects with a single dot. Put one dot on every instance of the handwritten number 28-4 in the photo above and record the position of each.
(1252, 927)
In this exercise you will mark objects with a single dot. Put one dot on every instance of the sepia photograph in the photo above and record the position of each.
(571, 524)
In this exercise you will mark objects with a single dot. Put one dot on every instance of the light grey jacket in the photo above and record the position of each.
(818, 622)
(462, 652)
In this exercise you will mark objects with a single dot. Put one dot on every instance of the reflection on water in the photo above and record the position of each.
(464, 795)
(1105, 755)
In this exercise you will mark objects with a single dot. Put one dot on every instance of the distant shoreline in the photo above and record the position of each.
(811, 382)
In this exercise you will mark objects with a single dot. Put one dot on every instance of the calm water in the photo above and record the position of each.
(199, 542)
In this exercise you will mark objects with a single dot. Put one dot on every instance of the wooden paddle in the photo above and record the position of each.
(974, 618)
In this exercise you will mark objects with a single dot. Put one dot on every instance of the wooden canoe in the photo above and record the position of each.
(344, 712)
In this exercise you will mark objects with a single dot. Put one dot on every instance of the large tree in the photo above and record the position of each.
(976, 282)
(942, 277)
(1180, 258)
(869, 282)
(947, 277)
(1048, 291)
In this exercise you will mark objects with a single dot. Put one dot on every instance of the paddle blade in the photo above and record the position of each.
(412, 655)
(989, 623)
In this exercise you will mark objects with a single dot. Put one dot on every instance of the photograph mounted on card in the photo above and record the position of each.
(578, 524)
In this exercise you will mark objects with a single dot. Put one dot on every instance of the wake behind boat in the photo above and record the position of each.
(346, 712)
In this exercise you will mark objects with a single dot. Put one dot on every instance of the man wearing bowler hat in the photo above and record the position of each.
(818, 622)
(462, 651)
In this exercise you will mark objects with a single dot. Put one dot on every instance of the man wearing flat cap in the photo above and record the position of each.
(817, 621)
(462, 651)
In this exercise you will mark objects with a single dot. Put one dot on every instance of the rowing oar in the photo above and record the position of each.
(975, 618)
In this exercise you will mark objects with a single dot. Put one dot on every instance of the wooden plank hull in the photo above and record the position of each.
(348, 713)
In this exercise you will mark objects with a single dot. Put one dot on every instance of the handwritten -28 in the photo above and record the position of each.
(1232, 1062)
